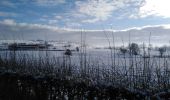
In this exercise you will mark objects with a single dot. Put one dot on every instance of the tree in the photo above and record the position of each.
(77, 49)
(123, 50)
(162, 50)
(134, 49)
(68, 52)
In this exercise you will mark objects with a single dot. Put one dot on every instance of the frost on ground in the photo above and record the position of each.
(123, 76)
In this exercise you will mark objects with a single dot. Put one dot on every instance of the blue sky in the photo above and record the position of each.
(87, 14)
(33, 18)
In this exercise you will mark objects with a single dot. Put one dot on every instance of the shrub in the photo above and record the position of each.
(134, 49)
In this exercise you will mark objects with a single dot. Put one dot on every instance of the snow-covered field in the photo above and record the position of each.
(100, 57)
(97, 65)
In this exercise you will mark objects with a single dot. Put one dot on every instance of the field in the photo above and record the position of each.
(93, 73)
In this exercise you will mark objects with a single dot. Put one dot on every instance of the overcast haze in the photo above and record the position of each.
(66, 19)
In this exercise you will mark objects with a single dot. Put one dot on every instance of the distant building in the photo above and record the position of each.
(24, 46)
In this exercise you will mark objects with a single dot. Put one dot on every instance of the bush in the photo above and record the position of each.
(134, 49)
(162, 50)
(123, 50)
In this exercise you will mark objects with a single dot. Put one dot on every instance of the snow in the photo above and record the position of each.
(98, 65)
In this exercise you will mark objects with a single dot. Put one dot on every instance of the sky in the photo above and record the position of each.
(66, 19)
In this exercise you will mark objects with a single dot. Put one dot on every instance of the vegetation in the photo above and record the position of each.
(134, 49)
(37, 76)
(162, 50)
(123, 50)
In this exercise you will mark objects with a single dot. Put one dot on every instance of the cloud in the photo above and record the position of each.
(146, 28)
(73, 25)
(20, 26)
(102, 10)
(153, 8)
(91, 20)
(7, 14)
(13, 30)
(8, 22)
(58, 17)
(13, 24)
(53, 21)
(97, 9)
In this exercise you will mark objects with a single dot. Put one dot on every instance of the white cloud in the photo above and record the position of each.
(164, 26)
(7, 14)
(12, 23)
(58, 17)
(73, 25)
(53, 21)
(97, 9)
(91, 20)
(153, 8)
(8, 22)
(10, 28)
(101, 10)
